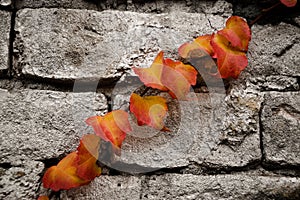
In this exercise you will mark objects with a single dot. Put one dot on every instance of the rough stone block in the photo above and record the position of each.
(187, 186)
(20, 181)
(212, 129)
(281, 128)
(40, 124)
(5, 2)
(274, 50)
(247, 187)
(78, 4)
(80, 44)
(273, 83)
(219, 7)
(107, 187)
(4, 40)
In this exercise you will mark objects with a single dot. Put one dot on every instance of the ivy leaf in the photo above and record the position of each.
(168, 75)
(151, 76)
(88, 152)
(112, 127)
(289, 3)
(178, 78)
(149, 110)
(201, 42)
(44, 197)
(64, 175)
(230, 46)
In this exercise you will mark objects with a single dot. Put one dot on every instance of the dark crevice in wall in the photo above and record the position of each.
(109, 103)
(251, 9)
(287, 48)
(261, 132)
(282, 168)
(6, 165)
(212, 169)
(192, 168)
(48, 162)
(16, 83)
(12, 36)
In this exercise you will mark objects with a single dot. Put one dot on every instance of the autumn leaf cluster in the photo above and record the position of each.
(226, 47)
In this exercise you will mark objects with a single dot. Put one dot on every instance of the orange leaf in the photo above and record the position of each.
(151, 76)
(149, 110)
(168, 75)
(88, 152)
(230, 46)
(237, 32)
(63, 176)
(44, 197)
(201, 42)
(289, 3)
(111, 127)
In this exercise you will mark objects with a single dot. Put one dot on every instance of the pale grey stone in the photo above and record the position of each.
(21, 180)
(210, 129)
(274, 83)
(4, 40)
(281, 128)
(107, 187)
(274, 49)
(236, 186)
(5, 2)
(218, 7)
(188, 186)
(78, 4)
(81, 44)
(41, 124)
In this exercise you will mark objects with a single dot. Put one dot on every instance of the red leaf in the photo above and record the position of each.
(201, 42)
(88, 152)
(230, 46)
(111, 127)
(64, 176)
(149, 110)
(289, 3)
(168, 75)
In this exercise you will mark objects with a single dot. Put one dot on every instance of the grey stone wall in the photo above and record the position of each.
(63, 61)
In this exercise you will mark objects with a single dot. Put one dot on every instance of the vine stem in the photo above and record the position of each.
(263, 13)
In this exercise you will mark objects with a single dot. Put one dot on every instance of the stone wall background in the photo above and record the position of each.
(63, 61)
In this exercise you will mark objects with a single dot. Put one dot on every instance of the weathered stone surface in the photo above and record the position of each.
(107, 187)
(79, 4)
(274, 50)
(37, 124)
(80, 44)
(187, 186)
(175, 186)
(281, 128)
(20, 181)
(273, 83)
(5, 2)
(4, 40)
(220, 7)
(211, 129)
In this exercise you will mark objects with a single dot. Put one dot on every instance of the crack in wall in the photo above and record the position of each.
(12, 37)
(261, 131)
(287, 48)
